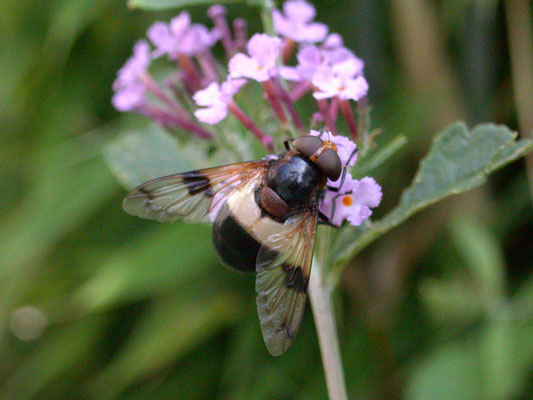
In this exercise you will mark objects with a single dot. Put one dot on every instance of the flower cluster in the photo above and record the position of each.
(324, 69)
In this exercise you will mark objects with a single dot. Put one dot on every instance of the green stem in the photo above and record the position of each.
(266, 16)
(322, 305)
(520, 34)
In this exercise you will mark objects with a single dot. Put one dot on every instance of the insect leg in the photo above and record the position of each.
(323, 219)
(287, 145)
(334, 202)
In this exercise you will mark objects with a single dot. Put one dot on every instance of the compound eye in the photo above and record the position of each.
(330, 163)
(307, 145)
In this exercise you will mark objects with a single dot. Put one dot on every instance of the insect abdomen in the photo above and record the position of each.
(236, 247)
(240, 230)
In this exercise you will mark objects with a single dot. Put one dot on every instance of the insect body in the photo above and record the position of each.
(265, 217)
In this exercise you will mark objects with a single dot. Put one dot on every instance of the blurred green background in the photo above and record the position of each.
(96, 304)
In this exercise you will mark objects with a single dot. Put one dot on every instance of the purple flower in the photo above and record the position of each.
(181, 37)
(161, 37)
(217, 99)
(295, 22)
(261, 64)
(342, 80)
(309, 61)
(166, 37)
(312, 59)
(345, 148)
(180, 24)
(352, 202)
(333, 41)
(197, 40)
(338, 55)
(129, 87)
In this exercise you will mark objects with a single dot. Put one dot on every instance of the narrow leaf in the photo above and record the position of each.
(483, 257)
(450, 373)
(387, 151)
(169, 4)
(170, 329)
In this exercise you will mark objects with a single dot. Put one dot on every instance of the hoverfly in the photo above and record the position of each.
(265, 220)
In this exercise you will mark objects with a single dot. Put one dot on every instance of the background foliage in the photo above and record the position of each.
(95, 304)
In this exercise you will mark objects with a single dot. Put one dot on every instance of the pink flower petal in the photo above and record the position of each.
(295, 22)
(129, 98)
(353, 201)
(180, 24)
(159, 34)
(299, 10)
(241, 65)
(208, 96)
(312, 33)
(289, 73)
(368, 192)
(333, 41)
(211, 115)
(354, 89)
(264, 49)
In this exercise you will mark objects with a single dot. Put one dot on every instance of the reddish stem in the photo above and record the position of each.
(191, 72)
(334, 109)
(290, 105)
(218, 14)
(347, 113)
(158, 92)
(208, 65)
(288, 48)
(170, 120)
(273, 98)
(240, 30)
(300, 90)
(251, 126)
(324, 110)
(362, 114)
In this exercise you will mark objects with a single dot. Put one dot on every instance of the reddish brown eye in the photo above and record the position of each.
(307, 145)
(330, 163)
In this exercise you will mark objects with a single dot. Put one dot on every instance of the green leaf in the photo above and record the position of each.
(450, 373)
(67, 349)
(499, 349)
(168, 4)
(153, 263)
(138, 156)
(53, 210)
(170, 329)
(458, 160)
(451, 301)
(387, 151)
(483, 256)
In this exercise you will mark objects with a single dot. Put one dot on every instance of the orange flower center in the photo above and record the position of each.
(347, 201)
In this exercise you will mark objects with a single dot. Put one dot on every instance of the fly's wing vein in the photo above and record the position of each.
(283, 268)
(192, 196)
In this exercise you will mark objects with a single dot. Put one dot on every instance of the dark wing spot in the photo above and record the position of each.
(197, 183)
(287, 330)
(149, 195)
(296, 278)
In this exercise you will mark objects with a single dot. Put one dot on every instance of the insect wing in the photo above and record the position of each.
(283, 267)
(192, 196)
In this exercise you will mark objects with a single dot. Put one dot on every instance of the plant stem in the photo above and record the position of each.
(322, 305)
(520, 35)
(266, 16)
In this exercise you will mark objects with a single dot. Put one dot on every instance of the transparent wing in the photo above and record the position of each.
(283, 268)
(192, 196)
